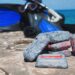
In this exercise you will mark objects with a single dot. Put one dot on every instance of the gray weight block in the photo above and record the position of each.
(54, 60)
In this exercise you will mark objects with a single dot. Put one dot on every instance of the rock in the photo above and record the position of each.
(37, 46)
(5, 44)
(60, 36)
(73, 42)
(3, 72)
(23, 41)
(60, 46)
(34, 49)
(57, 36)
(66, 52)
(54, 60)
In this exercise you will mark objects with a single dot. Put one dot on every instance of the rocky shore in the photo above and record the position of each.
(12, 61)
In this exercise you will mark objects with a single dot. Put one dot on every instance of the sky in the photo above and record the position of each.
(54, 4)
(60, 4)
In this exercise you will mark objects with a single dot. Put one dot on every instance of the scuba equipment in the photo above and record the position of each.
(55, 17)
(29, 5)
(34, 8)
(9, 19)
(45, 26)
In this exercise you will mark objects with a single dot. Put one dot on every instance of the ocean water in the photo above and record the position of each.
(69, 16)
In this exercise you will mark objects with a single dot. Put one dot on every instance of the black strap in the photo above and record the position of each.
(21, 9)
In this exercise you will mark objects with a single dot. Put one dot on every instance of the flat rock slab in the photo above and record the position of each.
(2, 72)
(11, 58)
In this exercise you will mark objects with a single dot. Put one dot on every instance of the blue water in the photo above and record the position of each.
(69, 16)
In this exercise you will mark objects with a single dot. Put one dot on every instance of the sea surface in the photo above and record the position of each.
(69, 16)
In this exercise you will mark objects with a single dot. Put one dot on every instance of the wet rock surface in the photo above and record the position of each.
(12, 62)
